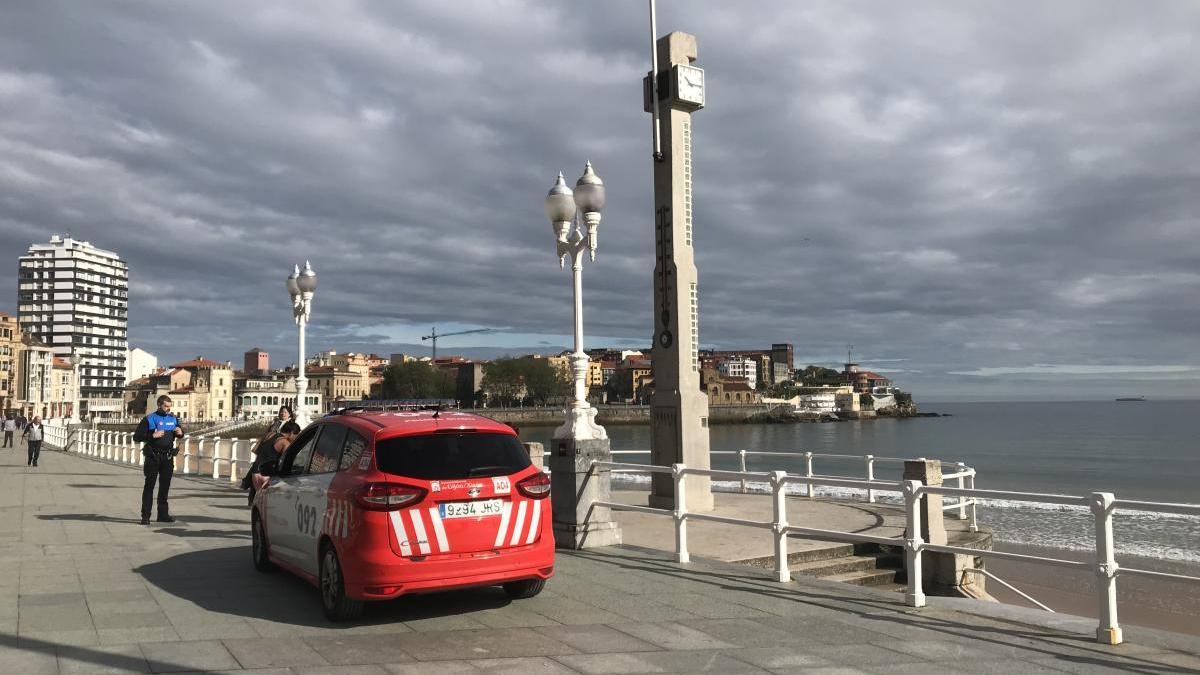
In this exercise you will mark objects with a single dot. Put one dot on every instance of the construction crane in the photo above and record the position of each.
(434, 335)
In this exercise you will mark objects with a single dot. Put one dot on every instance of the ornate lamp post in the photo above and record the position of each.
(301, 286)
(575, 481)
(570, 213)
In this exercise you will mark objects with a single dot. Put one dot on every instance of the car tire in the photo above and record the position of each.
(337, 606)
(524, 589)
(258, 545)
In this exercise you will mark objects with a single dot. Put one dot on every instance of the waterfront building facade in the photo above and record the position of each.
(10, 347)
(35, 364)
(261, 395)
(74, 297)
(742, 367)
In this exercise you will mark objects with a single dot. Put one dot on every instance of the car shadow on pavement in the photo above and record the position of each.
(224, 581)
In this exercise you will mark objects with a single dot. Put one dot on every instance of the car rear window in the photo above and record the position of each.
(446, 456)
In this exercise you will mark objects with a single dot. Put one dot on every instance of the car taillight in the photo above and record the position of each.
(388, 496)
(536, 486)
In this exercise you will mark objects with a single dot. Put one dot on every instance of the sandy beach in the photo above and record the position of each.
(1153, 603)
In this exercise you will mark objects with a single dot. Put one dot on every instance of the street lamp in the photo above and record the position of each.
(570, 214)
(301, 286)
(76, 359)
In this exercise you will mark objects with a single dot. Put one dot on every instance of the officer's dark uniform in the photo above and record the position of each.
(159, 462)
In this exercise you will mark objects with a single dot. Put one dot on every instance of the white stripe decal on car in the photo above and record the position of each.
(503, 524)
(419, 530)
(533, 524)
(440, 532)
(401, 535)
(516, 535)
(343, 517)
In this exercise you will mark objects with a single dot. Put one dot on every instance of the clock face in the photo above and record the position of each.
(689, 85)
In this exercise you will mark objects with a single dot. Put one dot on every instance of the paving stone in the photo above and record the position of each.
(81, 637)
(673, 636)
(358, 649)
(477, 644)
(596, 639)
(773, 658)
(118, 636)
(28, 658)
(271, 653)
(863, 655)
(521, 666)
(169, 657)
(103, 660)
(658, 662)
(443, 668)
(340, 670)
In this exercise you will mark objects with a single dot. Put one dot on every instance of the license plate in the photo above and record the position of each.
(476, 509)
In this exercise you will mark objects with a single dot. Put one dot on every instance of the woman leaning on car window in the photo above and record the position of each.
(267, 454)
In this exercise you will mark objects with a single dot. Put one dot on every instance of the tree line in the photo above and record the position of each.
(506, 381)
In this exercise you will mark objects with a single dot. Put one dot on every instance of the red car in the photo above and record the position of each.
(374, 505)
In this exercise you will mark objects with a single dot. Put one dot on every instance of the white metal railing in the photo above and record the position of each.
(961, 473)
(234, 425)
(1101, 504)
(218, 458)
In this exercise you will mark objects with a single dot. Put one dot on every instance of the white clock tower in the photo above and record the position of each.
(679, 409)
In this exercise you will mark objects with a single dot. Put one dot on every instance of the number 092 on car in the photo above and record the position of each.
(475, 509)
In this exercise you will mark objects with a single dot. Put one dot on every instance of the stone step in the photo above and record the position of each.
(830, 552)
(873, 577)
(825, 568)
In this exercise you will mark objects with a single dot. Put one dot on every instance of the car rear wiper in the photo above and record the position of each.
(488, 471)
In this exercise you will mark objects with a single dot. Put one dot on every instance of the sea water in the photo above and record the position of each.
(1146, 450)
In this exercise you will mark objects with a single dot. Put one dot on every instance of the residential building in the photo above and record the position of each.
(10, 346)
(256, 362)
(865, 381)
(74, 297)
(740, 367)
(139, 363)
(633, 380)
(64, 389)
(349, 363)
(200, 389)
(35, 363)
(335, 386)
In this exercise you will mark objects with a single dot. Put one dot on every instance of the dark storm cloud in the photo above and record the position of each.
(976, 188)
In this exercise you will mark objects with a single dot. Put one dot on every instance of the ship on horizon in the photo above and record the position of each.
(1132, 398)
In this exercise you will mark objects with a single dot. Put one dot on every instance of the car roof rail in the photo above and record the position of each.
(392, 405)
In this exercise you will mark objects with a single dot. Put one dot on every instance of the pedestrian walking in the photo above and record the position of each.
(10, 427)
(158, 432)
(21, 422)
(33, 435)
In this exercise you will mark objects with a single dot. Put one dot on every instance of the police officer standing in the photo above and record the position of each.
(158, 432)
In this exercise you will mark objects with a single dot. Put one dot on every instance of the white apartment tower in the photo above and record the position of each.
(75, 298)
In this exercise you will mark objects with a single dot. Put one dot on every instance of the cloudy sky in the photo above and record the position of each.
(989, 200)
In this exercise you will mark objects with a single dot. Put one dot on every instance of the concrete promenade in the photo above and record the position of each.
(85, 589)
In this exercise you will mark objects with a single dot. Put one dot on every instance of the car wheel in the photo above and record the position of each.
(337, 606)
(258, 545)
(524, 589)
